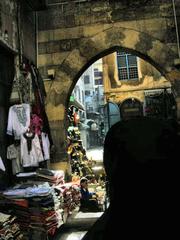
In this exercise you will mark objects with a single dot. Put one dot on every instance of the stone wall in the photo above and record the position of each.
(28, 31)
(72, 35)
(8, 26)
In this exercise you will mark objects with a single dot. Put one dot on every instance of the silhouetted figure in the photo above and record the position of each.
(142, 166)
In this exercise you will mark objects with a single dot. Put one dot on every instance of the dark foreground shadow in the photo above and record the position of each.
(141, 158)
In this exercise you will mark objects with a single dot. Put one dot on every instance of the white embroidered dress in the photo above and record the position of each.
(18, 119)
(33, 157)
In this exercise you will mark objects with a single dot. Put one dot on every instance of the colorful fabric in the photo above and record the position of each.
(36, 124)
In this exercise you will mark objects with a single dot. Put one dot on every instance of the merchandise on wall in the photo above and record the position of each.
(39, 199)
(28, 128)
(80, 165)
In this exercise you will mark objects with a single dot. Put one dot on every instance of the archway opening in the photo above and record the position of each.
(116, 87)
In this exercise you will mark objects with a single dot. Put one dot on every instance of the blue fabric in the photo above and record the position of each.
(85, 194)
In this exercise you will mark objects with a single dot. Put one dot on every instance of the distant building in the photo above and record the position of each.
(89, 93)
(94, 91)
(136, 87)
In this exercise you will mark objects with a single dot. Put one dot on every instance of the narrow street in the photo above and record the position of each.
(95, 154)
(80, 222)
(77, 225)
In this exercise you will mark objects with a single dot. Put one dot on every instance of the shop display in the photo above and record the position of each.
(27, 128)
(80, 164)
(40, 207)
(39, 200)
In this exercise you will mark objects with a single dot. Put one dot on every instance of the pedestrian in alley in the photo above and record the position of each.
(142, 166)
(94, 134)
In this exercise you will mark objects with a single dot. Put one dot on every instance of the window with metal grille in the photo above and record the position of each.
(87, 93)
(98, 74)
(99, 81)
(127, 66)
(86, 79)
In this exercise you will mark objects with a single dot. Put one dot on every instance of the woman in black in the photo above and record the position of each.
(142, 167)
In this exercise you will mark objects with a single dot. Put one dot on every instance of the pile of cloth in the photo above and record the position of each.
(51, 176)
(70, 193)
(9, 229)
(42, 175)
(37, 209)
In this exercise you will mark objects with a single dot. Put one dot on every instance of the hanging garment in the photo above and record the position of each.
(39, 107)
(36, 124)
(45, 145)
(38, 83)
(13, 154)
(26, 83)
(31, 153)
(18, 119)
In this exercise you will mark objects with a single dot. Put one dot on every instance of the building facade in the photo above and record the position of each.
(129, 80)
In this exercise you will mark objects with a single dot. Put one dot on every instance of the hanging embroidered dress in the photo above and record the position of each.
(18, 119)
(31, 152)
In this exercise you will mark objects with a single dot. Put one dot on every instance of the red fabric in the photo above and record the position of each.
(36, 124)
(76, 119)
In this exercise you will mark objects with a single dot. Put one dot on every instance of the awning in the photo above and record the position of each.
(75, 103)
(155, 92)
(94, 113)
(83, 126)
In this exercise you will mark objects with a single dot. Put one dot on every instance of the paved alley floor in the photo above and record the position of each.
(95, 154)
(77, 225)
(71, 235)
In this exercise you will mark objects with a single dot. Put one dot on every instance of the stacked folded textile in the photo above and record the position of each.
(71, 196)
(37, 209)
(45, 214)
(9, 229)
(42, 175)
(51, 176)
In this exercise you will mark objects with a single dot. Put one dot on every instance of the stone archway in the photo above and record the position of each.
(87, 51)
(141, 44)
